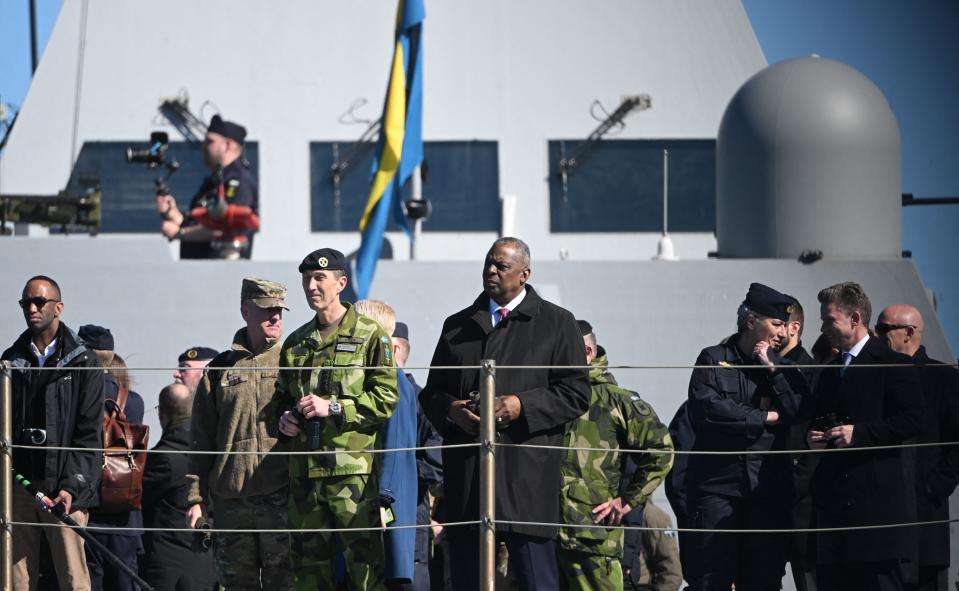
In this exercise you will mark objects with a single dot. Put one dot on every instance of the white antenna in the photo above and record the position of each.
(664, 249)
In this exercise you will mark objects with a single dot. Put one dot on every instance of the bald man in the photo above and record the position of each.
(901, 327)
(170, 562)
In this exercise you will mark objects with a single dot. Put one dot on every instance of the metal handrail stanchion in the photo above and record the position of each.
(6, 473)
(487, 476)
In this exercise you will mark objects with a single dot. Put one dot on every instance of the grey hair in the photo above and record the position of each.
(743, 314)
(519, 245)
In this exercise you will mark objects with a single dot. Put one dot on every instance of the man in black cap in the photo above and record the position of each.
(229, 184)
(344, 389)
(191, 366)
(741, 398)
(124, 543)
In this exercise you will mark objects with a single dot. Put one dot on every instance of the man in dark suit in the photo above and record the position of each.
(511, 324)
(860, 406)
(900, 326)
(170, 563)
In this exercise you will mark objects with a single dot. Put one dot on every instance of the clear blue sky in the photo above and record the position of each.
(909, 49)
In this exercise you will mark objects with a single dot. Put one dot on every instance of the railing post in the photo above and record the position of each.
(487, 477)
(6, 473)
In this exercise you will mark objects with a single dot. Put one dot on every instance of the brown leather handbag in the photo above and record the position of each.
(121, 488)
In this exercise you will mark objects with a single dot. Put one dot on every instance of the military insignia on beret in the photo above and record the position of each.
(191, 354)
(323, 262)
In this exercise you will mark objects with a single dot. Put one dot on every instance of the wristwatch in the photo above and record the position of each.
(336, 411)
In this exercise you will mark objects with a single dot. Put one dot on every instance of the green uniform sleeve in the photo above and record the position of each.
(373, 403)
(203, 426)
(639, 428)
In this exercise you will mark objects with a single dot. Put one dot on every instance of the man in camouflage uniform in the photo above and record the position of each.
(592, 491)
(233, 410)
(347, 406)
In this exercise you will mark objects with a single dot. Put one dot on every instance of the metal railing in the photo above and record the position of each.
(487, 447)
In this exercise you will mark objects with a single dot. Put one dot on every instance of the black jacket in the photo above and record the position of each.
(73, 403)
(803, 465)
(727, 409)
(938, 471)
(857, 488)
(536, 333)
(165, 489)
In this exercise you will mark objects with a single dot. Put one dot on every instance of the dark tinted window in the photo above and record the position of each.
(618, 187)
(128, 192)
(461, 180)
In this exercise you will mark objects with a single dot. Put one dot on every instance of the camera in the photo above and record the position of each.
(203, 537)
(154, 157)
(312, 428)
(34, 436)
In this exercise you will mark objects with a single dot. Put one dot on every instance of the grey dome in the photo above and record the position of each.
(808, 158)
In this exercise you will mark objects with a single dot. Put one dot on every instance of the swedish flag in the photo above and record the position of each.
(401, 140)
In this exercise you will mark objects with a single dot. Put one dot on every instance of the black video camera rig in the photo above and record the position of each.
(156, 157)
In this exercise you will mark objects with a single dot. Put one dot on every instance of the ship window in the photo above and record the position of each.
(618, 186)
(460, 179)
(127, 197)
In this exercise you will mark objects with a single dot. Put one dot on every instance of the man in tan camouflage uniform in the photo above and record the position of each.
(345, 407)
(233, 410)
(591, 491)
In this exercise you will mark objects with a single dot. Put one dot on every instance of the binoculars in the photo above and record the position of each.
(312, 429)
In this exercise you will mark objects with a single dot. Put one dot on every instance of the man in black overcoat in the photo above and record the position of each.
(900, 326)
(511, 324)
(860, 406)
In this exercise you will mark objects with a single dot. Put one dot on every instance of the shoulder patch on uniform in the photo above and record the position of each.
(385, 339)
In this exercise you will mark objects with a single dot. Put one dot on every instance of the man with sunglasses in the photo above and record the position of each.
(60, 405)
(901, 326)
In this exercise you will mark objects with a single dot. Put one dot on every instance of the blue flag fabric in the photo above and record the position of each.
(400, 148)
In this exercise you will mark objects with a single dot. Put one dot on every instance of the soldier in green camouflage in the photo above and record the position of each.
(592, 492)
(345, 407)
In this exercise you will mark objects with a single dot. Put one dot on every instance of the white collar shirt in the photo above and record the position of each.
(511, 305)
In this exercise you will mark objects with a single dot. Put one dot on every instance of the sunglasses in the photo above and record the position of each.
(883, 328)
(39, 302)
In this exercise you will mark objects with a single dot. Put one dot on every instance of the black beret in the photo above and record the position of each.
(401, 331)
(325, 259)
(197, 354)
(766, 301)
(228, 129)
(96, 337)
(584, 327)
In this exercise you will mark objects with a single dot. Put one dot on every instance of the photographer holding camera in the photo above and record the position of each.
(338, 372)
(58, 406)
(222, 217)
